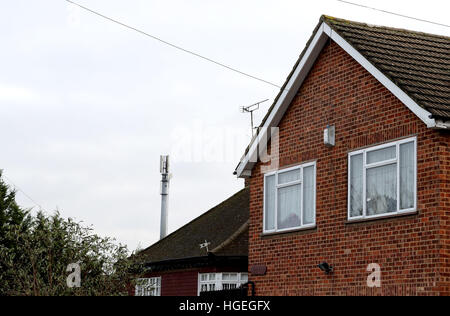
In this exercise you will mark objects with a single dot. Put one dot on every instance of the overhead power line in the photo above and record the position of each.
(23, 192)
(393, 13)
(173, 45)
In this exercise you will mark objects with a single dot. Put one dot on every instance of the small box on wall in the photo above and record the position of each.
(329, 136)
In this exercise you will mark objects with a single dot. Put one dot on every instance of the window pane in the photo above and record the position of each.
(244, 277)
(148, 287)
(204, 277)
(289, 207)
(290, 176)
(308, 195)
(382, 190)
(356, 185)
(407, 176)
(229, 286)
(269, 215)
(381, 154)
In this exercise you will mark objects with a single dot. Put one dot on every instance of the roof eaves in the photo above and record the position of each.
(385, 78)
(203, 261)
(283, 89)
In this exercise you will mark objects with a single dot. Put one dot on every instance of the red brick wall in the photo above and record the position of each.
(444, 180)
(409, 249)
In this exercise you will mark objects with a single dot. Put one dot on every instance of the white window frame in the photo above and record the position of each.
(150, 282)
(278, 186)
(366, 166)
(218, 281)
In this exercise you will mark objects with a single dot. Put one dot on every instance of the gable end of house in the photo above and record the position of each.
(417, 74)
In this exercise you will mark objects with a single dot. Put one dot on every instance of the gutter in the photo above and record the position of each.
(440, 124)
(195, 262)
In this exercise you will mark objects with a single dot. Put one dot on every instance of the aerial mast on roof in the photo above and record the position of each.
(250, 109)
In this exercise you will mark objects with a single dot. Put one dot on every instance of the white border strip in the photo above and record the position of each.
(294, 83)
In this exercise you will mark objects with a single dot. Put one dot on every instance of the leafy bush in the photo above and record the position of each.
(36, 250)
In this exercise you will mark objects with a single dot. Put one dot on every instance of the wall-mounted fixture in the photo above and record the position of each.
(258, 269)
(329, 136)
(325, 267)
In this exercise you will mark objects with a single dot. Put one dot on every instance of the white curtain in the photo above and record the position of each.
(382, 189)
(270, 192)
(289, 176)
(381, 154)
(289, 206)
(407, 176)
(356, 185)
(308, 195)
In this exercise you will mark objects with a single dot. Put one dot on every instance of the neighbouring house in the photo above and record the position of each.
(355, 199)
(208, 254)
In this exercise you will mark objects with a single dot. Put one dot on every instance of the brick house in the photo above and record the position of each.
(177, 265)
(378, 192)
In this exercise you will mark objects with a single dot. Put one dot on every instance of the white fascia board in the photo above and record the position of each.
(323, 33)
(288, 94)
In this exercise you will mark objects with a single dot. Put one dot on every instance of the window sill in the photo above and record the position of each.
(382, 217)
(290, 232)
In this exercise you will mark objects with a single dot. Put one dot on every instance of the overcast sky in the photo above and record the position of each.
(87, 106)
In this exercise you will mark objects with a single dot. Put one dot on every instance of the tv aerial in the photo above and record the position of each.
(250, 109)
(205, 245)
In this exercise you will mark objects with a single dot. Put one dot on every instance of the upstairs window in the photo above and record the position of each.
(290, 199)
(148, 287)
(382, 180)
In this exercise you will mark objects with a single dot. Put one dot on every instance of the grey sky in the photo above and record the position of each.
(87, 107)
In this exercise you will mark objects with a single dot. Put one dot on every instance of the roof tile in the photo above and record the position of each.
(216, 226)
(418, 63)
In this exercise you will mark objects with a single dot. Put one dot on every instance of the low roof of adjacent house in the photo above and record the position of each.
(225, 227)
(414, 66)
